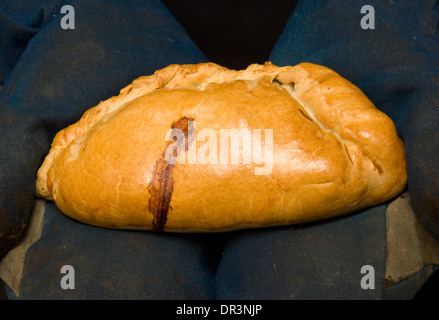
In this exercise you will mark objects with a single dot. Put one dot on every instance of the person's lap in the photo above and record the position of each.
(117, 264)
(101, 56)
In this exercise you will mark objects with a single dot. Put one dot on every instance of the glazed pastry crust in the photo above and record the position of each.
(333, 152)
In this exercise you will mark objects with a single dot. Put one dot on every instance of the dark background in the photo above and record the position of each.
(237, 33)
(233, 33)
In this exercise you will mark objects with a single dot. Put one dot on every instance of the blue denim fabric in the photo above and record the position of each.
(58, 74)
(118, 264)
(321, 260)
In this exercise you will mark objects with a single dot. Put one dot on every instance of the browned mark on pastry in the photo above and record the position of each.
(162, 184)
(304, 114)
(377, 166)
(375, 163)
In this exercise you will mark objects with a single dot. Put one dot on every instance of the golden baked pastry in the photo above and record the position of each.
(201, 148)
